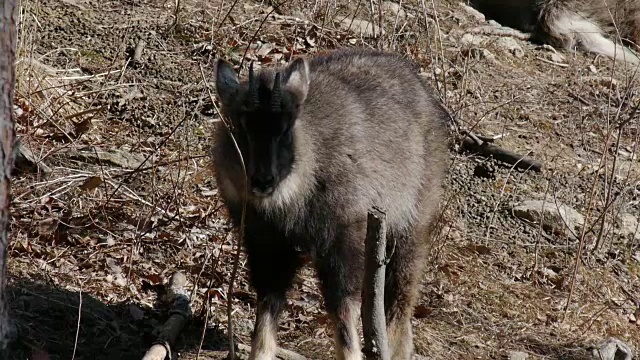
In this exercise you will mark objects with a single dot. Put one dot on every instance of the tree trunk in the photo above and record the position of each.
(8, 40)
(374, 326)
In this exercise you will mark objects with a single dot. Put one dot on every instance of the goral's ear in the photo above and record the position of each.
(227, 82)
(296, 78)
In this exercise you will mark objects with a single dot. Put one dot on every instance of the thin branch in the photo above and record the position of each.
(236, 258)
(75, 341)
(226, 15)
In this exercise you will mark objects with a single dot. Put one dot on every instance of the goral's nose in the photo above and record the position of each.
(263, 185)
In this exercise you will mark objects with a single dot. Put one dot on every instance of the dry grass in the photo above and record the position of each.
(130, 197)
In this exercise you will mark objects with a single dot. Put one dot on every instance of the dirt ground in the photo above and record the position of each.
(123, 195)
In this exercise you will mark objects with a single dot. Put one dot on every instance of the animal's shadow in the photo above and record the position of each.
(46, 318)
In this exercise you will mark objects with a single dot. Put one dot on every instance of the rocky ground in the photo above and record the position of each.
(115, 192)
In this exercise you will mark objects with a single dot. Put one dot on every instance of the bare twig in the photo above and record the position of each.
(590, 207)
(552, 62)
(176, 15)
(377, 255)
(236, 259)
(227, 14)
(75, 341)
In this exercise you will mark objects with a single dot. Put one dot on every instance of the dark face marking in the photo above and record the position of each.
(263, 111)
(266, 137)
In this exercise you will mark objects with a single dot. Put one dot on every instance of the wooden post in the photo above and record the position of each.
(8, 41)
(376, 346)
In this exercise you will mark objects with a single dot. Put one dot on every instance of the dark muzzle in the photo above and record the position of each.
(263, 184)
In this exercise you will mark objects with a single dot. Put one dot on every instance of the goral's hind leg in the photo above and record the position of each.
(273, 265)
(403, 274)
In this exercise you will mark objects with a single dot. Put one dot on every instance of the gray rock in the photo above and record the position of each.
(556, 57)
(511, 46)
(471, 40)
(556, 217)
(115, 157)
(517, 355)
(628, 226)
(612, 349)
(26, 160)
(473, 12)
(361, 27)
(393, 10)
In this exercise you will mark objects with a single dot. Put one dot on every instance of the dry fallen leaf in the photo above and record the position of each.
(91, 183)
(154, 279)
(421, 312)
(47, 226)
(478, 249)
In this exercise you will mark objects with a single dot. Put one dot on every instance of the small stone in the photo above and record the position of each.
(361, 27)
(486, 54)
(556, 57)
(511, 46)
(556, 217)
(473, 12)
(612, 349)
(26, 160)
(393, 10)
(628, 226)
(453, 234)
(518, 355)
(469, 40)
(120, 280)
(117, 157)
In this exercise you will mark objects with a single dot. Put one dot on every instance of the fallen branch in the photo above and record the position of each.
(377, 256)
(552, 62)
(179, 314)
(474, 144)
(281, 354)
(499, 31)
